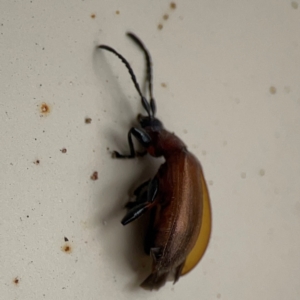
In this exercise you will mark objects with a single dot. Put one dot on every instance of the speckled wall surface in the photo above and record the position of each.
(226, 80)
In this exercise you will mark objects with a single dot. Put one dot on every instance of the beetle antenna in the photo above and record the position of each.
(145, 103)
(149, 69)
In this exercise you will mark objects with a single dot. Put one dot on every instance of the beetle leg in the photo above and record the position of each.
(152, 190)
(143, 138)
(156, 253)
(144, 202)
(178, 272)
(141, 198)
(151, 233)
(134, 213)
(140, 193)
(141, 153)
(140, 187)
(143, 195)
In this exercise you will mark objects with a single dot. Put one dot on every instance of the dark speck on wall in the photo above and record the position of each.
(88, 120)
(173, 5)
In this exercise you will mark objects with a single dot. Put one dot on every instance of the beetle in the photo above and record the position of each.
(176, 197)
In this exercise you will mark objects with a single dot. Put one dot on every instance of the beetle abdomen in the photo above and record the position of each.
(178, 216)
(155, 280)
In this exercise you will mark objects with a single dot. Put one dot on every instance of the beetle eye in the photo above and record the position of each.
(144, 121)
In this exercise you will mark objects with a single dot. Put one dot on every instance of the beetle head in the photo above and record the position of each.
(150, 121)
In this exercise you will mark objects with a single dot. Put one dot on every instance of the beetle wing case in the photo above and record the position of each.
(203, 238)
(178, 217)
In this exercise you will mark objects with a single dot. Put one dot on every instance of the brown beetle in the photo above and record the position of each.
(177, 197)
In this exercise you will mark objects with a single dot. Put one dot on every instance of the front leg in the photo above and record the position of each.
(143, 138)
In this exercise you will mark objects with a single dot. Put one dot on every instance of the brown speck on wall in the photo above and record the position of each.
(93, 16)
(66, 248)
(16, 281)
(173, 5)
(63, 150)
(44, 109)
(37, 162)
(166, 17)
(88, 120)
(117, 12)
(164, 85)
(160, 26)
(94, 176)
(272, 90)
(66, 239)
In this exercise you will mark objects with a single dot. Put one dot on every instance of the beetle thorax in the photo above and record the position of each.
(164, 143)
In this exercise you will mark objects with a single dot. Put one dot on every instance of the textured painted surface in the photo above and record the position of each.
(226, 80)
